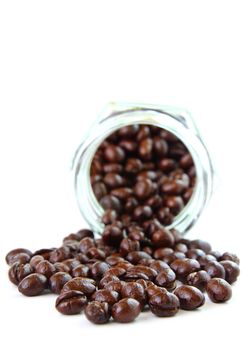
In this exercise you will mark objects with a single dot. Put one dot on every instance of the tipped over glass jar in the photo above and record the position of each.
(143, 162)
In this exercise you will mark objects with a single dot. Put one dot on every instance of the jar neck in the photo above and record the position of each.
(175, 121)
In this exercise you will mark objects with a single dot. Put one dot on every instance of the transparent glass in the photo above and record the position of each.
(175, 120)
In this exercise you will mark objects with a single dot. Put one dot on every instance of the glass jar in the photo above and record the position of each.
(175, 120)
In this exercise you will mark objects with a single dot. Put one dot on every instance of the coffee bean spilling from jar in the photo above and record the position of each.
(125, 271)
(140, 173)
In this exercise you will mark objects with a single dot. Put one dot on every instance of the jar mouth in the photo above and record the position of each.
(88, 204)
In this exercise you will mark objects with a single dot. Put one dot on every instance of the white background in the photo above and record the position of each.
(60, 63)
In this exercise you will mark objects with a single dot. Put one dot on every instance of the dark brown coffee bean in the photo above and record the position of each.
(166, 165)
(128, 131)
(219, 290)
(35, 260)
(58, 280)
(190, 298)
(164, 304)
(216, 254)
(81, 271)
(145, 270)
(113, 260)
(232, 270)
(18, 272)
(164, 216)
(145, 148)
(113, 180)
(112, 235)
(98, 269)
(111, 202)
(106, 279)
(60, 267)
(13, 256)
(153, 289)
(143, 189)
(115, 286)
(200, 244)
(136, 256)
(166, 279)
(128, 145)
(154, 202)
(113, 168)
(99, 189)
(45, 268)
(215, 269)
(60, 254)
(147, 174)
(134, 290)
(162, 238)
(105, 295)
(168, 136)
(126, 310)
(81, 284)
(231, 257)
(161, 253)
(133, 166)
(174, 203)
(159, 265)
(188, 194)
(160, 146)
(127, 245)
(123, 193)
(114, 154)
(142, 212)
(115, 271)
(33, 284)
(85, 233)
(85, 244)
(97, 312)
(130, 205)
(180, 247)
(71, 302)
(205, 259)
(172, 187)
(186, 161)
(195, 253)
(198, 279)
(183, 267)
(143, 133)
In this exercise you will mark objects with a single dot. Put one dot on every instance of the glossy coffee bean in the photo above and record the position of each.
(99, 189)
(60, 267)
(190, 298)
(134, 290)
(106, 279)
(164, 304)
(71, 303)
(200, 244)
(98, 269)
(45, 268)
(195, 253)
(127, 245)
(18, 272)
(198, 279)
(115, 286)
(205, 259)
(162, 238)
(166, 279)
(142, 212)
(97, 312)
(58, 280)
(35, 260)
(133, 165)
(183, 267)
(112, 235)
(230, 256)
(111, 202)
(60, 254)
(81, 284)
(126, 310)
(33, 284)
(13, 256)
(105, 295)
(81, 271)
(143, 189)
(159, 265)
(232, 270)
(114, 154)
(219, 290)
(215, 269)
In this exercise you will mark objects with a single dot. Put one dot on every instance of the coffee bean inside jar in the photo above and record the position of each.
(141, 173)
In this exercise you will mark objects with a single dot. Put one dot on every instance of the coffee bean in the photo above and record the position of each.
(81, 271)
(34, 261)
(112, 235)
(71, 302)
(143, 189)
(164, 304)
(183, 267)
(18, 272)
(97, 312)
(133, 165)
(115, 286)
(60, 254)
(134, 290)
(231, 257)
(200, 244)
(99, 189)
(162, 238)
(190, 298)
(160, 146)
(219, 290)
(81, 284)
(33, 284)
(105, 295)
(198, 279)
(13, 256)
(145, 148)
(113, 180)
(58, 280)
(142, 212)
(98, 269)
(45, 268)
(232, 270)
(166, 279)
(60, 267)
(215, 269)
(85, 233)
(126, 310)
(127, 245)
(110, 202)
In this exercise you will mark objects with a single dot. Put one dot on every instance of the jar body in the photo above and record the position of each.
(176, 121)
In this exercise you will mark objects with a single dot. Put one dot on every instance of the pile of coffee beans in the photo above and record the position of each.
(143, 172)
(143, 177)
(125, 276)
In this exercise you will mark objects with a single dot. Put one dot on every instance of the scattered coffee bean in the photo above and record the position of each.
(190, 297)
(33, 284)
(58, 280)
(164, 304)
(97, 312)
(219, 290)
(232, 270)
(71, 302)
(198, 279)
(126, 310)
